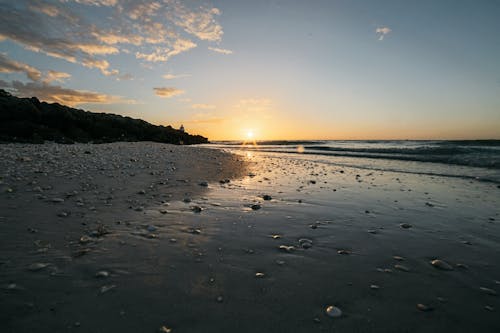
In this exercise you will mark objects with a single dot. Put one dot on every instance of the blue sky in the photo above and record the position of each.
(281, 69)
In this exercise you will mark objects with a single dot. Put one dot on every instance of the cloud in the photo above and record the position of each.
(56, 76)
(203, 106)
(152, 30)
(11, 66)
(205, 118)
(58, 94)
(168, 92)
(175, 76)
(221, 51)
(382, 31)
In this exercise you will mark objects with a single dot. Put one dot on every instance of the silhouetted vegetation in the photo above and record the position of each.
(29, 120)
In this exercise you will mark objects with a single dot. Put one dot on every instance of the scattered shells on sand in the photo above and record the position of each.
(440, 264)
(333, 311)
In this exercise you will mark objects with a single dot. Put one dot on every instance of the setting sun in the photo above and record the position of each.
(250, 134)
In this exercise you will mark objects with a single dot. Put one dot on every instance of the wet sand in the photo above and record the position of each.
(128, 238)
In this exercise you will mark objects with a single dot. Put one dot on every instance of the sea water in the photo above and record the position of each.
(474, 159)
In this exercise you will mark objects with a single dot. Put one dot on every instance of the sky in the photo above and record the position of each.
(228, 69)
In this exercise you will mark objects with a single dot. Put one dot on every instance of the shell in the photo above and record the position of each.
(440, 264)
(333, 311)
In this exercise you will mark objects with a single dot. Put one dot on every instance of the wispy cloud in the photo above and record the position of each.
(221, 51)
(167, 92)
(203, 106)
(382, 32)
(11, 66)
(152, 30)
(56, 76)
(170, 76)
(58, 94)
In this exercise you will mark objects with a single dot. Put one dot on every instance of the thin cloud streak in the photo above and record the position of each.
(168, 92)
(58, 94)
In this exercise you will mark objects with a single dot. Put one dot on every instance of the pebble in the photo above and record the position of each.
(102, 274)
(151, 228)
(220, 299)
(488, 291)
(105, 289)
(37, 266)
(424, 308)
(374, 287)
(276, 236)
(398, 258)
(344, 252)
(63, 214)
(203, 183)
(333, 311)
(402, 268)
(267, 197)
(256, 207)
(57, 200)
(405, 225)
(259, 275)
(196, 209)
(165, 329)
(440, 264)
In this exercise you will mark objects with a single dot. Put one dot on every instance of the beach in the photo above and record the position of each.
(148, 237)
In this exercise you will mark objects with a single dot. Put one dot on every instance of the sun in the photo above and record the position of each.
(250, 134)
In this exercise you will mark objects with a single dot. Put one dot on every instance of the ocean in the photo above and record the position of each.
(474, 159)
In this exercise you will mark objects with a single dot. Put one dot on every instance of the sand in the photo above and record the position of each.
(144, 237)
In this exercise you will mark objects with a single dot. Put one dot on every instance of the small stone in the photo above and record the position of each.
(266, 197)
(280, 262)
(488, 291)
(256, 207)
(165, 329)
(203, 183)
(141, 192)
(373, 231)
(62, 214)
(398, 258)
(259, 275)
(151, 228)
(57, 200)
(402, 268)
(163, 211)
(374, 287)
(333, 311)
(275, 236)
(440, 264)
(37, 266)
(344, 252)
(196, 209)
(85, 240)
(187, 200)
(102, 274)
(405, 225)
(105, 289)
(220, 299)
(424, 308)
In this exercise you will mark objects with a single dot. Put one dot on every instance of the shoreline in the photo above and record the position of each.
(269, 250)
